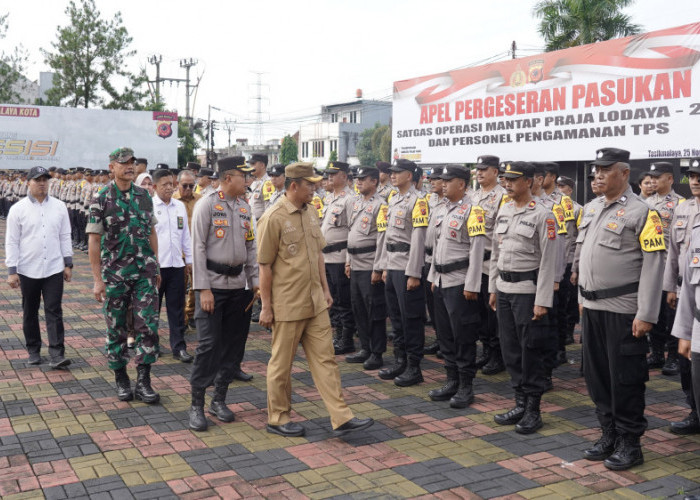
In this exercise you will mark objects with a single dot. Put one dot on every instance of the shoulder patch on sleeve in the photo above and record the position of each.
(551, 229)
(267, 190)
(420, 213)
(652, 236)
(681, 200)
(475, 222)
(391, 195)
(578, 219)
(382, 218)
(568, 206)
(559, 212)
(504, 199)
(318, 205)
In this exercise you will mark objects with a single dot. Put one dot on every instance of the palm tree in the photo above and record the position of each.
(567, 23)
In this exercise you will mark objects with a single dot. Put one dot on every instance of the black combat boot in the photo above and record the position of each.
(346, 344)
(689, 425)
(198, 421)
(359, 357)
(532, 420)
(143, 390)
(656, 358)
(374, 362)
(604, 447)
(123, 384)
(399, 366)
(412, 375)
(465, 395)
(449, 389)
(627, 454)
(218, 406)
(431, 348)
(671, 367)
(495, 363)
(484, 357)
(513, 415)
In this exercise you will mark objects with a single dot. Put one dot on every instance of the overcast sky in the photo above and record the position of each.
(312, 52)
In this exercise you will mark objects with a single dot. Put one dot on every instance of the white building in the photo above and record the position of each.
(339, 130)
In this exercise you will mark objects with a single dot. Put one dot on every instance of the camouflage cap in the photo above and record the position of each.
(121, 155)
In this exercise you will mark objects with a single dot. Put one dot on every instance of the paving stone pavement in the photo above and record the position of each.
(63, 434)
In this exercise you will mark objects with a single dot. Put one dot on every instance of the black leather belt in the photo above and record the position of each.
(335, 247)
(429, 251)
(487, 254)
(609, 293)
(356, 250)
(224, 269)
(515, 276)
(452, 266)
(398, 247)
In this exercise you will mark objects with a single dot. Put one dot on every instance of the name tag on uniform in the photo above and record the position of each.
(180, 222)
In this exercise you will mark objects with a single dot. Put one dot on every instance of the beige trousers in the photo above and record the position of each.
(316, 339)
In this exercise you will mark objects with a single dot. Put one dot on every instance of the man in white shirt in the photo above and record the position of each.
(173, 242)
(39, 257)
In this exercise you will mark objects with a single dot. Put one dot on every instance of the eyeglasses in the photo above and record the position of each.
(187, 186)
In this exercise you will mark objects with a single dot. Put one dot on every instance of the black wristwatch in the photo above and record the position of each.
(69, 266)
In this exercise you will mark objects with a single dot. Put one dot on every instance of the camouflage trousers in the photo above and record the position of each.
(142, 295)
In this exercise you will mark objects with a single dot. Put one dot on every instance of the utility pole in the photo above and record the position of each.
(513, 47)
(156, 60)
(258, 106)
(184, 63)
(187, 64)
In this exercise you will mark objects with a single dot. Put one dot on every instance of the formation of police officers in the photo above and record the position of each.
(507, 264)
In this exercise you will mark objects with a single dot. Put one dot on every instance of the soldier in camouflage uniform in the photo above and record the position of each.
(123, 251)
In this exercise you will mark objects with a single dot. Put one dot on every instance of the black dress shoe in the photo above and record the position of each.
(183, 356)
(374, 362)
(242, 376)
(358, 357)
(290, 429)
(34, 358)
(59, 362)
(689, 425)
(354, 424)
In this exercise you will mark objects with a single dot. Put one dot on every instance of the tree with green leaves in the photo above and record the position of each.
(385, 146)
(289, 151)
(368, 148)
(188, 138)
(11, 67)
(90, 61)
(568, 23)
(332, 157)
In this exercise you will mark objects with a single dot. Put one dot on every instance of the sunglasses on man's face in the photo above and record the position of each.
(187, 186)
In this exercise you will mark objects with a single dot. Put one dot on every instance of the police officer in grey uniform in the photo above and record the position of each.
(685, 218)
(521, 284)
(260, 191)
(490, 197)
(455, 275)
(621, 265)
(665, 201)
(335, 227)
(403, 256)
(435, 199)
(276, 173)
(366, 235)
(385, 188)
(224, 261)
